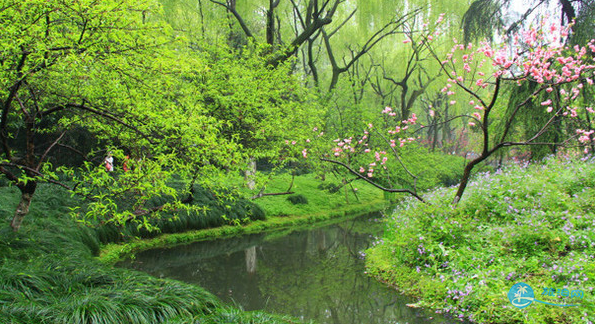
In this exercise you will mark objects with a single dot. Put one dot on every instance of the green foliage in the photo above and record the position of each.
(298, 199)
(525, 223)
(330, 187)
(209, 209)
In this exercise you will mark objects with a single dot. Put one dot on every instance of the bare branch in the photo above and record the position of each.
(287, 192)
(372, 182)
(48, 150)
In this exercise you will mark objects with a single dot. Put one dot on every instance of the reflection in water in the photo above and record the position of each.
(312, 274)
(251, 260)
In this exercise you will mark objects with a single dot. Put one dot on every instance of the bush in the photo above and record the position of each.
(330, 187)
(298, 199)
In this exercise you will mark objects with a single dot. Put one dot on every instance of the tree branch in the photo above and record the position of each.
(230, 6)
(372, 182)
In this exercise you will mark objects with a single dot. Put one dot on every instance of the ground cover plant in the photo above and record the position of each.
(525, 223)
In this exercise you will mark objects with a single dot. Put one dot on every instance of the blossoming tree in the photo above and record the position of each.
(483, 74)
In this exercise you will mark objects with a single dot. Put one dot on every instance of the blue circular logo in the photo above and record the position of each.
(521, 295)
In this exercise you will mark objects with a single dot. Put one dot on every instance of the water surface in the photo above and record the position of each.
(314, 274)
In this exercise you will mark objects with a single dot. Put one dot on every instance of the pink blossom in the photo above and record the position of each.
(305, 153)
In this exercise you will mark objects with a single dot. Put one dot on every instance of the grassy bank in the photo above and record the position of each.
(50, 273)
(533, 224)
(316, 205)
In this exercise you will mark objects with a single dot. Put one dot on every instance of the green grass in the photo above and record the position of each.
(319, 199)
(49, 274)
(532, 224)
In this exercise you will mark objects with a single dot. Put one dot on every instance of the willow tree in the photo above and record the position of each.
(110, 69)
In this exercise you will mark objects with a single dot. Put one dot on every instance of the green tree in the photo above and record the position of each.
(110, 69)
(261, 108)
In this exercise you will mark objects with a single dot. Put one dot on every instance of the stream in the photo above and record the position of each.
(313, 274)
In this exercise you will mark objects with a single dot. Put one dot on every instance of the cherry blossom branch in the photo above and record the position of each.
(398, 157)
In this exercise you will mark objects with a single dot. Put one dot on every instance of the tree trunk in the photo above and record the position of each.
(250, 173)
(23, 207)
(466, 175)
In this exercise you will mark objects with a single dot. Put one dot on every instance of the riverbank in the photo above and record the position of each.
(50, 273)
(533, 224)
(112, 253)
(316, 203)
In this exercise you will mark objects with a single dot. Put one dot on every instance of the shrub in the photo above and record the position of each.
(298, 199)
